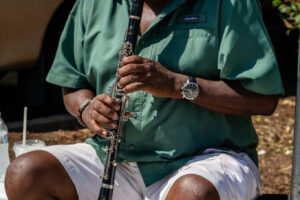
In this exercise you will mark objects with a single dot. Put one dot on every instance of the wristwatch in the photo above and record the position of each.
(190, 90)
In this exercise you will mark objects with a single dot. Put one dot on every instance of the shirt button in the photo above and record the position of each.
(133, 115)
(132, 147)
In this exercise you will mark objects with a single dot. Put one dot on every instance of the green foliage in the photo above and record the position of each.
(289, 12)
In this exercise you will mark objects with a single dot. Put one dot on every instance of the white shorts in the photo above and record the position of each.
(234, 175)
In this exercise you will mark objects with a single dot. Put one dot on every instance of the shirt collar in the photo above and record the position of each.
(169, 7)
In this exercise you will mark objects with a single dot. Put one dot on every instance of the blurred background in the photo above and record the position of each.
(29, 34)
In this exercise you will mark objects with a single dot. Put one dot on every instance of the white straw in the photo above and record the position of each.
(24, 126)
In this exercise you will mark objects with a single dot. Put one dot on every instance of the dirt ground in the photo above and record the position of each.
(275, 145)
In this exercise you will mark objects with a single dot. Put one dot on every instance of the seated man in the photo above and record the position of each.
(200, 70)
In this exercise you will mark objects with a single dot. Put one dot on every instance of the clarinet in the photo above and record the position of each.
(112, 149)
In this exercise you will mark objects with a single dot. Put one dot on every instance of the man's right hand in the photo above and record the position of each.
(100, 113)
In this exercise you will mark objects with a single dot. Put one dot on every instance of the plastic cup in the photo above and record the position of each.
(2, 191)
(31, 145)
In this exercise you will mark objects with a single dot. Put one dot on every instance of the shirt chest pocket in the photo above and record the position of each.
(188, 48)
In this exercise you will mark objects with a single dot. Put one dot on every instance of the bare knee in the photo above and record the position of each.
(192, 187)
(22, 174)
(38, 175)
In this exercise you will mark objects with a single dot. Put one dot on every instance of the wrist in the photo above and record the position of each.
(81, 109)
(179, 81)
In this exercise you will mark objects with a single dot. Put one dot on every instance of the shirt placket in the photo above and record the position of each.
(146, 40)
(145, 48)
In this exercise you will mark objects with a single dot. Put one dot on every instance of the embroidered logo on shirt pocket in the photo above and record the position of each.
(191, 25)
(192, 18)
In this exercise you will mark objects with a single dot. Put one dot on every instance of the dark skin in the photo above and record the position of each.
(27, 173)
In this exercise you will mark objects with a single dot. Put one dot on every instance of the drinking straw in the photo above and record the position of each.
(24, 126)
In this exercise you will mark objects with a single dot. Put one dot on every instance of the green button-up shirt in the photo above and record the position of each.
(211, 39)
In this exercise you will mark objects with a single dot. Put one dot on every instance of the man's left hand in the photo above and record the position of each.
(142, 74)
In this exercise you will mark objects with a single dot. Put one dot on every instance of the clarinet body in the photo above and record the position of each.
(117, 93)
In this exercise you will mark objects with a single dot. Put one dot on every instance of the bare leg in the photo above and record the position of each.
(192, 187)
(38, 175)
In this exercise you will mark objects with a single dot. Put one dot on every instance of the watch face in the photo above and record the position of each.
(190, 91)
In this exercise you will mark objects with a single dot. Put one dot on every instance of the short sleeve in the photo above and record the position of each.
(68, 67)
(246, 53)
